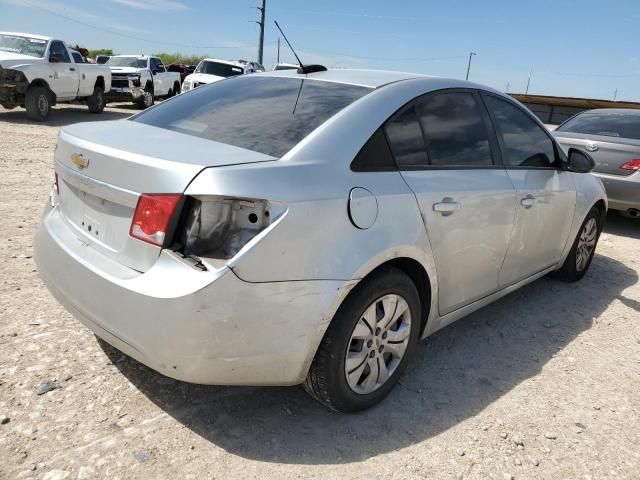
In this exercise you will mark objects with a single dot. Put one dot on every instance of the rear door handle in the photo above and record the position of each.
(72, 69)
(446, 207)
(528, 201)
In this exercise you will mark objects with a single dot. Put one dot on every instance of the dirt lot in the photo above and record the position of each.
(542, 384)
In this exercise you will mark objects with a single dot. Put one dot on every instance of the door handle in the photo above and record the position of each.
(528, 201)
(72, 69)
(446, 207)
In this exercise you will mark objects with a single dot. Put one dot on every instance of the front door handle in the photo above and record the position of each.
(72, 69)
(528, 201)
(446, 207)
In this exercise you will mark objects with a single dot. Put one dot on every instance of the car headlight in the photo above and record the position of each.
(135, 79)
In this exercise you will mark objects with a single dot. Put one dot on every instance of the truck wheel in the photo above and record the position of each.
(96, 101)
(38, 103)
(146, 100)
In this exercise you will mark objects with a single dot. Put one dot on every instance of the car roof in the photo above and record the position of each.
(364, 78)
(616, 111)
(30, 35)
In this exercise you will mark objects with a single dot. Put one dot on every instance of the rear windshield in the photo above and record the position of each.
(218, 69)
(607, 124)
(254, 112)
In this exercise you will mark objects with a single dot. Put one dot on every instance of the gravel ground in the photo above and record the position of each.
(542, 384)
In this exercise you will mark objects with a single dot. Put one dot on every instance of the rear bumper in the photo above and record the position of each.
(623, 192)
(202, 327)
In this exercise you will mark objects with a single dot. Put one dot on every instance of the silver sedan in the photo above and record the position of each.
(286, 228)
(612, 137)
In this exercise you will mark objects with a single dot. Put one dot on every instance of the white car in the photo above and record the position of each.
(36, 72)
(141, 79)
(212, 70)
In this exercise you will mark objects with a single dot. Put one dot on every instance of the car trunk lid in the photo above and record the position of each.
(609, 153)
(102, 172)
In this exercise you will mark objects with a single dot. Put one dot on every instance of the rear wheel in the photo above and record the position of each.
(581, 254)
(368, 344)
(38, 103)
(96, 101)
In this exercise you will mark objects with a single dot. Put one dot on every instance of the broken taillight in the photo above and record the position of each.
(219, 227)
(152, 217)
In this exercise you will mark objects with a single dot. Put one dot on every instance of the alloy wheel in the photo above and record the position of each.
(586, 244)
(378, 344)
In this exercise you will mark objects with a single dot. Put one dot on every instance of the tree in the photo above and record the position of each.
(100, 51)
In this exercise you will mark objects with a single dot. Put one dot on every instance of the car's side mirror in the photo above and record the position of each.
(579, 161)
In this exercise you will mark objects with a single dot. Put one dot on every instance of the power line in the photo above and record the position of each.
(113, 32)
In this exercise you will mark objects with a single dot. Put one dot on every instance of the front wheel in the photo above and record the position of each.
(38, 103)
(96, 100)
(581, 254)
(147, 99)
(368, 344)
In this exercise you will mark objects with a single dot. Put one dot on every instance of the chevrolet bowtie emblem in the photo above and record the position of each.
(79, 161)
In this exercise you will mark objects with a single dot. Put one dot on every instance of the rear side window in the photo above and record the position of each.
(455, 130)
(405, 138)
(524, 141)
(608, 124)
(269, 115)
(375, 155)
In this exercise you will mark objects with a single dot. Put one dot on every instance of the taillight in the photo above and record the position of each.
(633, 165)
(152, 217)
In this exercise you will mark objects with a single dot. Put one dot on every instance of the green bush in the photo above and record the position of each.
(168, 58)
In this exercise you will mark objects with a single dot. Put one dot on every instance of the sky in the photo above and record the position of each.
(578, 48)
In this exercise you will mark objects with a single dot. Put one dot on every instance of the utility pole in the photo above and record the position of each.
(528, 81)
(508, 85)
(615, 95)
(261, 23)
(471, 54)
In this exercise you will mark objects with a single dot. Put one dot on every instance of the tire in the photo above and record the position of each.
(96, 101)
(38, 103)
(580, 256)
(147, 100)
(327, 380)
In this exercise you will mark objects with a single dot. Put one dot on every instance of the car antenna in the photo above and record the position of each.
(303, 68)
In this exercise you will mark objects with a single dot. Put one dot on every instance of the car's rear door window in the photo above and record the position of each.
(406, 139)
(269, 115)
(456, 133)
(524, 142)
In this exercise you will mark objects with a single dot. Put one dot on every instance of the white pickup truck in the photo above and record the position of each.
(140, 79)
(36, 72)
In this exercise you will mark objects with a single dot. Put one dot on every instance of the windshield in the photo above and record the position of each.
(218, 69)
(134, 62)
(269, 115)
(24, 45)
(623, 125)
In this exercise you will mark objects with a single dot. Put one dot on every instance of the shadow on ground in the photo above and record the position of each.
(621, 226)
(455, 374)
(60, 117)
